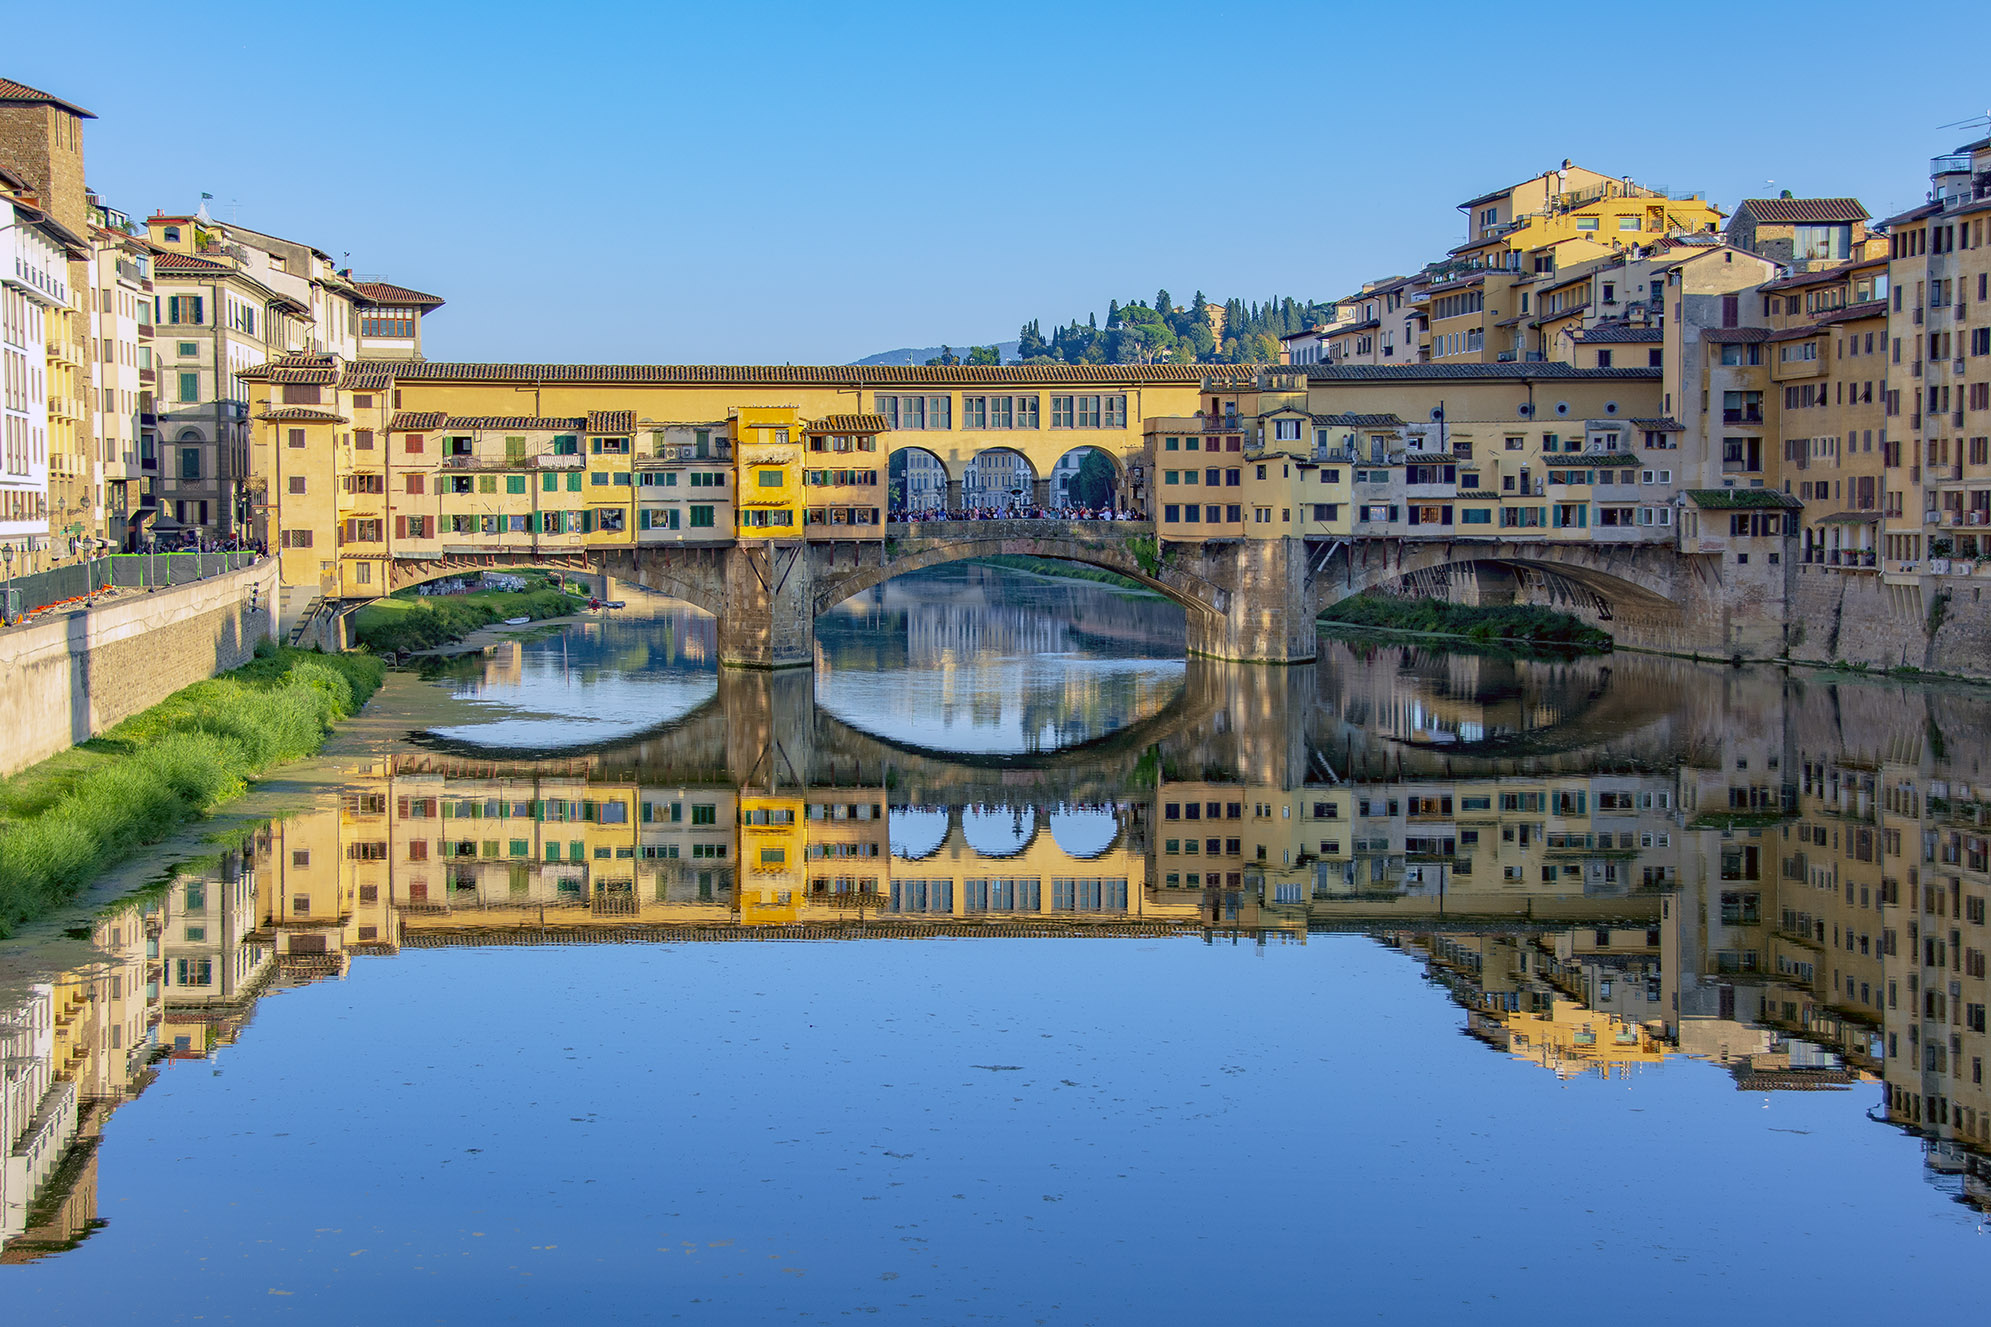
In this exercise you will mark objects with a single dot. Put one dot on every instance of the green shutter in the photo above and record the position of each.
(574, 481)
(549, 483)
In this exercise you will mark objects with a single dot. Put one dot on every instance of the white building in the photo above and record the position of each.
(34, 280)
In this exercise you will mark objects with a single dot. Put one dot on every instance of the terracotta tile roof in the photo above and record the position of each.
(1447, 372)
(1824, 276)
(1736, 499)
(1804, 209)
(1619, 333)
(1734, 336)
(849, 424)
(12, 91)
(1873, 308)
(786, 375)
(1795, 333)
(542, 423)
(298, 414)
(416, 421)
(320, 369)
(1663, 424)
(367, 377)
(1359, 421)
(386, 292)
(1363, 326)
(168, 261)
(611, 421)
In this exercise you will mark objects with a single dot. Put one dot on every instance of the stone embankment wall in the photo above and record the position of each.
(1941, 624)
(70, 676)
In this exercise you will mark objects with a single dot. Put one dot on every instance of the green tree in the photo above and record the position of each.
(984, 355)
(1093, 485)
(946, 356)
(1163, 305)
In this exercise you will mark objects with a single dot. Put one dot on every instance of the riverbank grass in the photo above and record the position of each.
(67, 820)
(408, 621)
(1507, 622)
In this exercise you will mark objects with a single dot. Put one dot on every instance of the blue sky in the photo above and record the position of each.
(770, 182)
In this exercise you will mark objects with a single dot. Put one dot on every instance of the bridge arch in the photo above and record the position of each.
(937, 543)
(689, 574)
(1607, 582)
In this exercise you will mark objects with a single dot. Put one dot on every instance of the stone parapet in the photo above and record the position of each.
(68, 677)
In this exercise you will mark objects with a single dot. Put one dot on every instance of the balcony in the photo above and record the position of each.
(1748, 416)
(1950, 163)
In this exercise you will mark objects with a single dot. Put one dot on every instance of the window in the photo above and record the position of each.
(701, 517)
(297, 483)
(396, 324)
(769, 478)
(999, 412)
(917, 412)
(189, 387)
(190, 463)
(1284, 430)
(1088, 412)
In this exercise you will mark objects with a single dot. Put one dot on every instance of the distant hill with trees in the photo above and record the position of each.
(1233, 332)
(928, 354)
(1142, 332)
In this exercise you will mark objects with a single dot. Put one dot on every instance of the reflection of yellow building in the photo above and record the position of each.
(1570, 1039)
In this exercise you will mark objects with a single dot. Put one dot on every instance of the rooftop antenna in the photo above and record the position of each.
(1973, 120)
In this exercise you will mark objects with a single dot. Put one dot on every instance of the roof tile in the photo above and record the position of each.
(1804, 209)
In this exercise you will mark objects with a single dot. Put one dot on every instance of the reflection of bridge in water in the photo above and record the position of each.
(1591, 905)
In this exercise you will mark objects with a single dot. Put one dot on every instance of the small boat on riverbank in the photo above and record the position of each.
(517, 621)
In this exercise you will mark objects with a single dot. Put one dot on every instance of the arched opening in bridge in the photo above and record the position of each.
(999, 831)
(916, 481)
(999, 480)
(1005, 659)
(1085, 479)
(916, 832)
(1084, 831)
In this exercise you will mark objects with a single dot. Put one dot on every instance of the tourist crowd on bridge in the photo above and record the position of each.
(1065, 513)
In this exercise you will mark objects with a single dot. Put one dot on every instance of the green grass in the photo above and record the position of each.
(72, 817)
(407, 621)
(1523, 622)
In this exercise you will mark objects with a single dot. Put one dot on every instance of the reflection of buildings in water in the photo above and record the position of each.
(173, 978)
(1799, 898)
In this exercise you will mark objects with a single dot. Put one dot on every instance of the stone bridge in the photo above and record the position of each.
(1254, 600)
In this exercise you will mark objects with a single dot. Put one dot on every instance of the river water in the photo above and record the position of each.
(1094, 986)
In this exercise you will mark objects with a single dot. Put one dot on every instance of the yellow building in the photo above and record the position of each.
(1525, 233)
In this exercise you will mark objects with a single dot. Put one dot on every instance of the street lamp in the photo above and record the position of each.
(7, 604)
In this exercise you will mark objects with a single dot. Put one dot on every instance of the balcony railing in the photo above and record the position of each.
(1950, 163)
(1751, 416)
